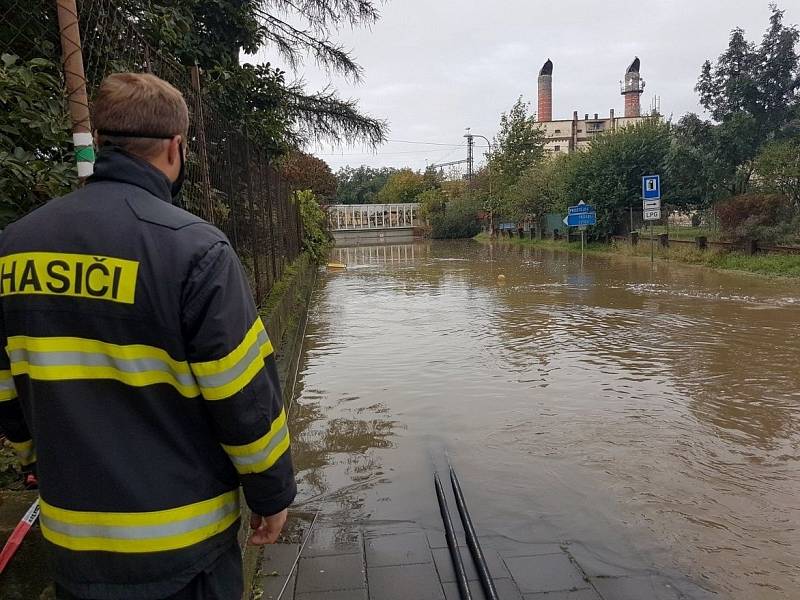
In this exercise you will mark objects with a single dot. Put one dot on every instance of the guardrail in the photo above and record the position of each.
(702, 243)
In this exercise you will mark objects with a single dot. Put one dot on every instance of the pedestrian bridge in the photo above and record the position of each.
(354, 224)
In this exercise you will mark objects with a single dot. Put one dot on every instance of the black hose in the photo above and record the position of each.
(472, 541)
(458, 564)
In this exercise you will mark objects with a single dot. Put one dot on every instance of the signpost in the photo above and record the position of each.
(582, 215)
(651, 205)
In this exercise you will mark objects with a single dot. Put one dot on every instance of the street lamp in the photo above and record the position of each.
(469, 136)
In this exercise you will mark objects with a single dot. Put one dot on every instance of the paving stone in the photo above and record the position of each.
(397, 528)
(545, 573)
(398, 549)
(595, 566)
(404, 582)
(329, 541)
(276, 563)
(444, 564)
(330, 573)
(506, 589)
(340, 595)
(575, 595)
(513, 549)
(437, 539)
(636, 588)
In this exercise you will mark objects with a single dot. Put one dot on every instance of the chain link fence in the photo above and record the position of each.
(231, 180)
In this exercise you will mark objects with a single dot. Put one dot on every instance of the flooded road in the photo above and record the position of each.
(650, 417)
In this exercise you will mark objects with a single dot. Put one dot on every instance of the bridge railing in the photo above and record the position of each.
(356, 217)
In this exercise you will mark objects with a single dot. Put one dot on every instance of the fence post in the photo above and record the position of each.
(253, 223)
(206, 205)
(271, 196)
(75, 79)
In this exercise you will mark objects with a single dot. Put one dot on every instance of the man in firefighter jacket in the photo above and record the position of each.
(135, 373)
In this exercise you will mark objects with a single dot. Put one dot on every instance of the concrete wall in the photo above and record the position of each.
(377, 236)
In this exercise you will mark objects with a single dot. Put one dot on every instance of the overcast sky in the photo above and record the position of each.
(434, 67)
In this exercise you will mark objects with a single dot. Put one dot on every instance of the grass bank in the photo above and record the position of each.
(762, 264)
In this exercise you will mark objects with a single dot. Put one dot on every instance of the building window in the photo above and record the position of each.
(557, 148)
(580, 130)
(558, 131)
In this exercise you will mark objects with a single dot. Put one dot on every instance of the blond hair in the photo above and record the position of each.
(129, 105)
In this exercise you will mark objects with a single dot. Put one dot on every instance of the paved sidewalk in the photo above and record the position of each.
(401, 561)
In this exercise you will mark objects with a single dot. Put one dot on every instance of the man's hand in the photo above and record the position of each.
(267, 529)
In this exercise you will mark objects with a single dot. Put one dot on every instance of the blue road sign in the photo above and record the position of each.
(581, 219)
(651, 187)
(580, 209)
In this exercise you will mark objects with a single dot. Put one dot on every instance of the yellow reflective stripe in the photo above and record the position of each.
(70, 358)
(156, 531)
(138, 519)
(26, 451)
(261, 442)
(79, 372)
(222, 378)
(260, 455)
(8, 391)
(216, 367)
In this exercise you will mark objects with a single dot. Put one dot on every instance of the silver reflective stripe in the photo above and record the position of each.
(257, 457)
(147, 532)
(7, 385)
(224, 378)
(97, 359)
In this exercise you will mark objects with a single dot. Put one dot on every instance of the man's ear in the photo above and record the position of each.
(175, 149)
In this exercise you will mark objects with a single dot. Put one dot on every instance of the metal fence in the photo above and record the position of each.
(230, 181)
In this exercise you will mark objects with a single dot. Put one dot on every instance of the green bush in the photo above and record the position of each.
(458, 220)
(316, 238)
(764, 217)
(35, 147)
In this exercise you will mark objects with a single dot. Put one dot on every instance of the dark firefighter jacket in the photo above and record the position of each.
(139, 378)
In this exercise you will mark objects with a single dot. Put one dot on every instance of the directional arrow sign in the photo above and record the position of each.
(581, 219)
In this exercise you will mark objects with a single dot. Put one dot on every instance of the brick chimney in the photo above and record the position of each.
(632, 89)
(545, 112)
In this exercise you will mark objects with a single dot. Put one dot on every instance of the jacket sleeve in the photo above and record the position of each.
(12, 420)
(233, 361)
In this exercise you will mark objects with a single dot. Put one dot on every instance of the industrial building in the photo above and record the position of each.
(569, 135)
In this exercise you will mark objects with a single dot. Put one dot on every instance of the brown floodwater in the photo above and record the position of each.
(648, 415)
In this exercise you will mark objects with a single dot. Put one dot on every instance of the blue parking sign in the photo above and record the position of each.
(651, 187)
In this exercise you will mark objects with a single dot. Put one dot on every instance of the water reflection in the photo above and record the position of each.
(642, 411)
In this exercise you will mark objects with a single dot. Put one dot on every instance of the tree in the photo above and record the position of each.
(541, 188)
(517, 146)
(431, 202)
(752, 95)
(778, 169)
(305, 172)
(360, 185)
(213, 33)
(696, 176)
(276, 112)
(609, 174)
(316, 239)
(401, 187)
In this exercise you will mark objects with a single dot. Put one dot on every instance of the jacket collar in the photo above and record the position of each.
(114, 164)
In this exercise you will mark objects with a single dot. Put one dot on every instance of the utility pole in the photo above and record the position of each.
(470, 155)
(75, 80)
